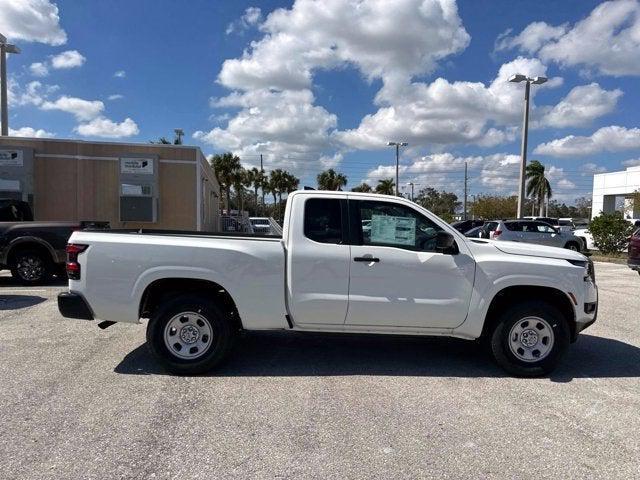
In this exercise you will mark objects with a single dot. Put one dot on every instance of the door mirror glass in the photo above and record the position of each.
(446, 243)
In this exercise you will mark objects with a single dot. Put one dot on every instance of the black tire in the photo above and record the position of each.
(219, 345)
(31, 267)
(500, 340)
(572, 246)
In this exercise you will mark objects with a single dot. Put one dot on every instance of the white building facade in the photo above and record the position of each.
(614, 190)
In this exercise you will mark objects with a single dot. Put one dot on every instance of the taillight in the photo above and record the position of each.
(496, 232)
(73, 267)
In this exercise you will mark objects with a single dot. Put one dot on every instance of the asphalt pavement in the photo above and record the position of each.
(77, 402)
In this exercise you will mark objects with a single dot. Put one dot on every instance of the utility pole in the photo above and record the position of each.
(263, 180)
(397, 145)
(465, 190)
(4, 114)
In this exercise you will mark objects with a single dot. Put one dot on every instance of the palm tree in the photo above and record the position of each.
(240, 181)
(256, 178)
(386, 186)
(225, 166)
(291, 182)
(275, 187)
(363, 187)
(331, 180)
(537, 184)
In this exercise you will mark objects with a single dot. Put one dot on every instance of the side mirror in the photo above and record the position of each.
(446, 243)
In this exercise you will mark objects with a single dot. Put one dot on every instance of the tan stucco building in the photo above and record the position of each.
(130, 185)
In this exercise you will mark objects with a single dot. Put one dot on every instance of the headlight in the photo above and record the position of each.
(589, 270)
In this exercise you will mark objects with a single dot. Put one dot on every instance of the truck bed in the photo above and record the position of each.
(119, 265)
(193, 233)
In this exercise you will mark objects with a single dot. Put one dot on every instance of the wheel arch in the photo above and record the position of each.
(518, 293)
(29, 243)
(160, 290)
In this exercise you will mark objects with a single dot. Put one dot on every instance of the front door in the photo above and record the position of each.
(397, 277)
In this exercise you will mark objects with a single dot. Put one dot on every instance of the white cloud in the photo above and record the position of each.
(592, 168)
(633, 162)
(30, 133)
(82, 109)
(39, 69)
(314, 35)
(285, 126)
(250, 18)
(534, 36)
(443, 112)
(34, 93)
(115, 96)
(581, 106)
(103, 127)
(31, 21)
(120, 74)
(607, 139)
(68, 59)
(608, 40)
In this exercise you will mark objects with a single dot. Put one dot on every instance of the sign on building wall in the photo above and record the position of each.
(11, 158)
(137, 166)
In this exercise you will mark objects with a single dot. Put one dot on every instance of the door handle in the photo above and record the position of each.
(366, 259)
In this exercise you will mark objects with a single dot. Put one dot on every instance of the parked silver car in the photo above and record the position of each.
(533, 231)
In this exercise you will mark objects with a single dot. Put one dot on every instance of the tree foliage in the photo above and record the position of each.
(537, 184)
(493, 207)
(331, 180)
(363, 188)
(444, 204)
(581, 209)
(226, 167)
(386, 186)
(610, 232)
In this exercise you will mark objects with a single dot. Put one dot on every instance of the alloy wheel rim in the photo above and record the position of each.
(188, 335)
(30, 267)
(531, 339)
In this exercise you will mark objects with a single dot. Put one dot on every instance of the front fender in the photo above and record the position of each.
(489, 284)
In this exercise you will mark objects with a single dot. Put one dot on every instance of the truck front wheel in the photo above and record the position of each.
(189, 335)
(530, 338)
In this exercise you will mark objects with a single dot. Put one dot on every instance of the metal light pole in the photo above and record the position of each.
(517, 78)
(397, 145)
(4, 49)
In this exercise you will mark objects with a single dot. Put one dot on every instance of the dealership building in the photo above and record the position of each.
(613, 191)
(130, 185)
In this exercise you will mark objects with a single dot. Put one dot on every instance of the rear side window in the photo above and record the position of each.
(513, 226)
(323, 220)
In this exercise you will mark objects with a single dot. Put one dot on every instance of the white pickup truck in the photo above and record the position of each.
(346, 262)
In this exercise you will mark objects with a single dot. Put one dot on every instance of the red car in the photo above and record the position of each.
(634, 251)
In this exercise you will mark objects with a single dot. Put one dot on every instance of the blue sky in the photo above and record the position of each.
(326, 84)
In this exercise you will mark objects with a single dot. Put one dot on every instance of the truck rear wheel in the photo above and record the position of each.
(189, 335)
(31, 267)
(530, 339)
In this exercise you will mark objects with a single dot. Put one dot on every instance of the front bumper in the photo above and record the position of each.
(587, 312)
(73, 305)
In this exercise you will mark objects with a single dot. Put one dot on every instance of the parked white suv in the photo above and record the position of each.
(533, 231)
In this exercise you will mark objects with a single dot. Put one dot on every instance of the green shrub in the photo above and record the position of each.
(610, 232)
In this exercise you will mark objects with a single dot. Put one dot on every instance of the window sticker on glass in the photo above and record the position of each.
(388, 229)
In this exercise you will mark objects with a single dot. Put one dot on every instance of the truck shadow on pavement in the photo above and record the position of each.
(291, 354)
(16, 302)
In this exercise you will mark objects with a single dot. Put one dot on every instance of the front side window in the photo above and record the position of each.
(394, 225)
(323, 220)
(543, 228)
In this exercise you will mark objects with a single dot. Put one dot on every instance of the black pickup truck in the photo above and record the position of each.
(34, 251)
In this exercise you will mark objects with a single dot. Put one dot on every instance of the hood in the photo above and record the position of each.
(535, 250)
